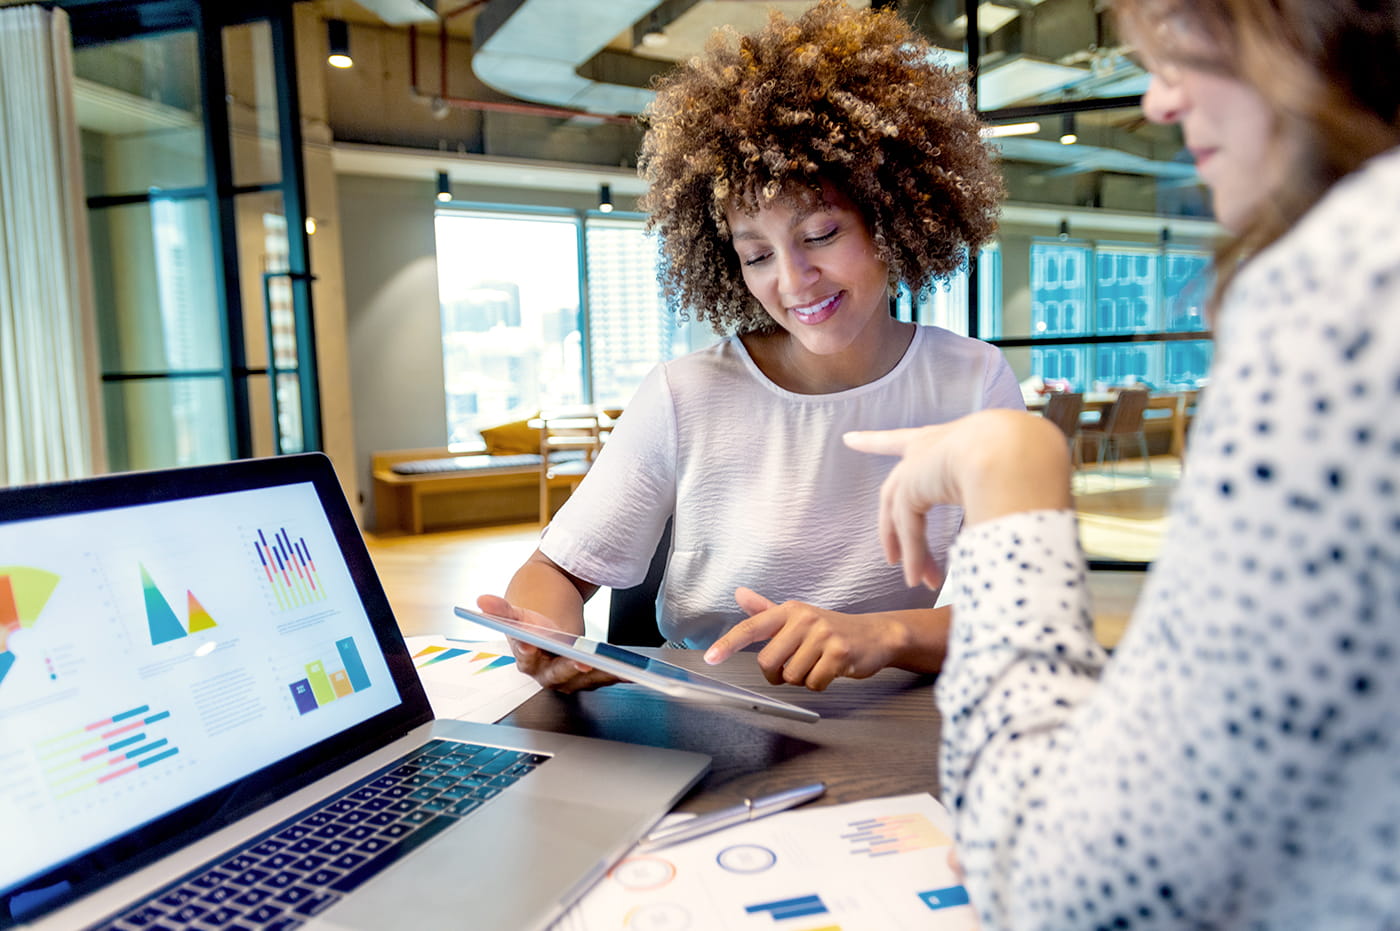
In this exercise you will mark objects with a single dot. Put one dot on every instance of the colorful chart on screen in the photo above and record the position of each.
(288, 569)
(116, 748)
(161, 619)
(23, 593)
(324, 684)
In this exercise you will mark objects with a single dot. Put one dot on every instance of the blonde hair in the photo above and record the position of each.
(1325, 67)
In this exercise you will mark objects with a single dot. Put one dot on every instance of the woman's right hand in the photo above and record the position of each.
(990, 463)
(550, 671)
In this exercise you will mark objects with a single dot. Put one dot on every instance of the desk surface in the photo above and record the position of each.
(876, 737)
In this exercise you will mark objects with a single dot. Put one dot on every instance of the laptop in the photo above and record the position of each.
(209, 719)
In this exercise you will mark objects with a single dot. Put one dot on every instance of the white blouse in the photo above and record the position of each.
(1237, 763)
(763, 492)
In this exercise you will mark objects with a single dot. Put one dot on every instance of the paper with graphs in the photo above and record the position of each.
(879, 864)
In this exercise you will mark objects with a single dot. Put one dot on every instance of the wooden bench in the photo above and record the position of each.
(472, 490)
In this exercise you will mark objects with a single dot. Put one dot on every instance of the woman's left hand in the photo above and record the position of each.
(808, 645)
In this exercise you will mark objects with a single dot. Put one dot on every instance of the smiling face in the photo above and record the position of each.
(1228, 126)
(812, 265)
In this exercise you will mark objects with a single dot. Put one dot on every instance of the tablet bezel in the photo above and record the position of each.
(679, 683)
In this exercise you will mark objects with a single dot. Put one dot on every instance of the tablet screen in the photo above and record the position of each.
(637, 667)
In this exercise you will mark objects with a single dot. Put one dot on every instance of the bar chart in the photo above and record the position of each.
(288, 569)
(892, 834)
(783, 909)
(321, 686)
(112, 748)
(855, 866)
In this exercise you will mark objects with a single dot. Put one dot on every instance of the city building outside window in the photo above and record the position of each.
(508, 287)
(630, 328)
(1134, 289)
(518, 321)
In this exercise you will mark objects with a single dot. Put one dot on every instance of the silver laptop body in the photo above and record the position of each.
(192, 660)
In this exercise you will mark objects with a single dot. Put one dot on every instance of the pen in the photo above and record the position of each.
(747, 810)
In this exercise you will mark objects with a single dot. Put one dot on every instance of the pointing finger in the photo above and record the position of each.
(880, 442)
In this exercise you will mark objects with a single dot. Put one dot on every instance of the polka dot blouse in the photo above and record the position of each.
(1237, 763)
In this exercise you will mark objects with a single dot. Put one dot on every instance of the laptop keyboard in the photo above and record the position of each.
(306, 864)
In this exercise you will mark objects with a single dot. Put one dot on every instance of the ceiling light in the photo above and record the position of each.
(1067, 134)
(444, 187)
(338, 34)
(605, 204)
(654, 36)
(1010, 129)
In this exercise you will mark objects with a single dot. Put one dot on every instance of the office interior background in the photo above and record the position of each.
(288, 255)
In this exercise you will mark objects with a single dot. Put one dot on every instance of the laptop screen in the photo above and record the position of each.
(154, 653)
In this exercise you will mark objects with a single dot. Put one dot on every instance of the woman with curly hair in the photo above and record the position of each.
(795, 176)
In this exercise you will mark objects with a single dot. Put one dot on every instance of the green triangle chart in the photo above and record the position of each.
(164, 625)
(23, 593)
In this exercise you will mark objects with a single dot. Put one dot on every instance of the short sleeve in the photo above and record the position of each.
(608, 530)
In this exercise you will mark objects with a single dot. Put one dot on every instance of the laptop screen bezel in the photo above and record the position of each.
(147, 843)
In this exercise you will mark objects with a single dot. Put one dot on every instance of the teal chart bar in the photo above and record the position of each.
(354, 666)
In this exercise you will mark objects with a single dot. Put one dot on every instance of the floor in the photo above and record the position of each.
(1121, 516)
(426, 575)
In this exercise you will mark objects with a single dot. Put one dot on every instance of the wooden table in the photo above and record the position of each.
(1179, 403)
(877, 736)
(1094, 401)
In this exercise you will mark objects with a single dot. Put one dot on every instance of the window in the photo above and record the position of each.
(1059, 289)
(630, 328)
(945, 305)
(1185, 288)
(508, 287)
(1060, 363)
(1135, 289)
(516, 328)
(1126, 289)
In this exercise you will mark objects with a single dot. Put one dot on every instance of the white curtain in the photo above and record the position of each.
(50, 386)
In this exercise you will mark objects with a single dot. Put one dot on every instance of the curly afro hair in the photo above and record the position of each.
(850, 97)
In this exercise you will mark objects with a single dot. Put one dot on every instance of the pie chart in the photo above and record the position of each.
(23, 594)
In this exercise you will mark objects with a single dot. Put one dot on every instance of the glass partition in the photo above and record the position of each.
(166, 422)
(185, 115)
(253, 116)
(138, 104)
(1046, 51)
(154, 283)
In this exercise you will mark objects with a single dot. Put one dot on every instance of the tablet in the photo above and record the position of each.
(660, 675)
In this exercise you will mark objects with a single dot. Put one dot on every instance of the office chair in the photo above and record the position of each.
(1063, 410)
(569, 442)
(632, 611)
(1123, 418)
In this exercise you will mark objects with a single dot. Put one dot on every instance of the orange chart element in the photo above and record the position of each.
(437, 654)
(23, 593)
(160, 617)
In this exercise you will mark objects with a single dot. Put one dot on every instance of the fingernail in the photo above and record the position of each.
(712, 656)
